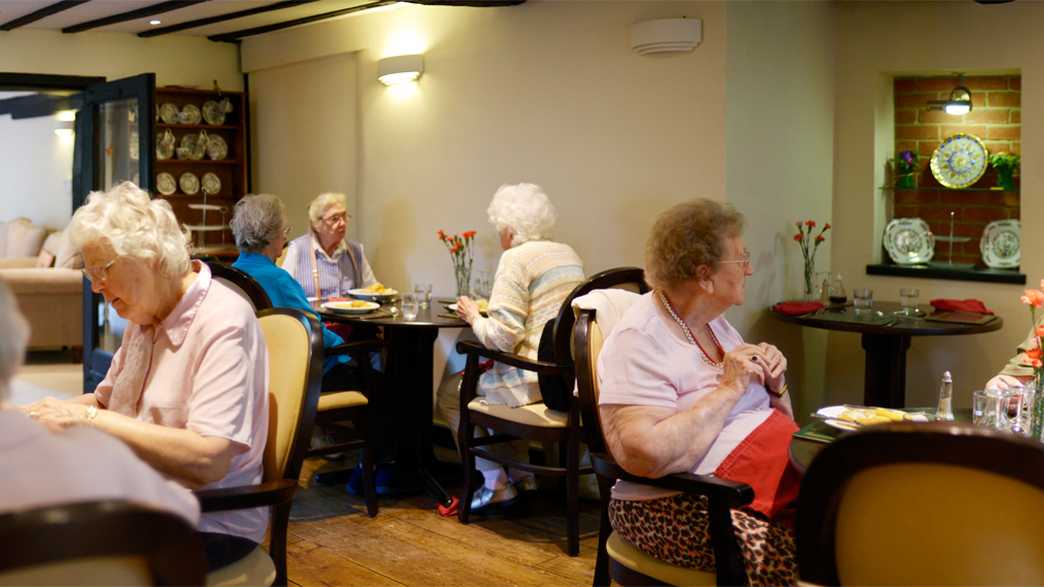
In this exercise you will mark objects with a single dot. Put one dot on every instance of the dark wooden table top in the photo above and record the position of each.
(881, 319)
(435, 316)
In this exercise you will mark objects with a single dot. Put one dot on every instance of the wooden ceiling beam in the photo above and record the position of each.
(234, 36)
(140, 13)
(191, 24)
(41, 13)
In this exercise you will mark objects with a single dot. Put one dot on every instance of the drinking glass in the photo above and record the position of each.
(1009, 412)
(410, 306)
(836, 291)
(862, 298)
(423, 293)
(908, 300)
(984, 407)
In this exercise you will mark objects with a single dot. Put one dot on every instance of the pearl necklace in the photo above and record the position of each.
(706, 358)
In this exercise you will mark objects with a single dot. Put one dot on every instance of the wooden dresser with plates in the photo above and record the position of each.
(200, 162)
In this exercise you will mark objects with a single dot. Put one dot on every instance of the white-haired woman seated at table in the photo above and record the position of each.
(533, 279)
(79, 464)
(186, 390)
(323, 261)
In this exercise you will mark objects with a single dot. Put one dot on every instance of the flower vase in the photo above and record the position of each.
(1037, 412)
(906, 181)
(463, 277)
(809, 293)
(1006, 180)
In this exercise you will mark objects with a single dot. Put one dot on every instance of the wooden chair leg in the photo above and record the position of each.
(572, 495)
(277, 542)
(601, 570)
(467, 432)
(368, 460)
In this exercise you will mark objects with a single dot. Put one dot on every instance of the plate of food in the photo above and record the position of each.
(855, 417)
(375, 293)
(351, 306)
(482, 304)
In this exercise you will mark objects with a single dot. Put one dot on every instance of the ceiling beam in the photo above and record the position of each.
(140, 13)
(36, 105)
(191, 24)
(234, 36)
(41, 13)
(46, 81)
(471, 3)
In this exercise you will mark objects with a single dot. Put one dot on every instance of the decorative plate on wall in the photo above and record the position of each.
(909, 241)
(189, 183)
(959, 161)
(1001, 244)
(165, 184)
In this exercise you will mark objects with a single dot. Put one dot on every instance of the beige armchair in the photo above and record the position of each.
(46, 279)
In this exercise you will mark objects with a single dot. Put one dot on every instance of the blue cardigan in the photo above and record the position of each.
(285, 292)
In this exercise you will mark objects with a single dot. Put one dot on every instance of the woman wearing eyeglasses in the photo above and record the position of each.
(186, 389)
(681, 391)
(323, 261)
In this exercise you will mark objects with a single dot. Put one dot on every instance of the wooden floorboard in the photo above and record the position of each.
(408, 543)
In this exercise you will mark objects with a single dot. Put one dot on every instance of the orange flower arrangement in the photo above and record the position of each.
(1034, 299)
(809, 246)
(459, 246)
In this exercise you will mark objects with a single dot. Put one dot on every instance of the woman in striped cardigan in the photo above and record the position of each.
(533, 278)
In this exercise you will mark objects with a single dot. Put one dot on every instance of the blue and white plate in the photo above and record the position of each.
(959, 161)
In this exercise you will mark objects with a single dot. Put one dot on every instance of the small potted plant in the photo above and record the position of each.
(906, 170)
(1007, 166)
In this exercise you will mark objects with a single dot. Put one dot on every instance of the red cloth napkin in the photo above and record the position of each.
(969, 305)
(796, 308)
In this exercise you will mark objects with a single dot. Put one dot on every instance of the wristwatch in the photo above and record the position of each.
(92, 413)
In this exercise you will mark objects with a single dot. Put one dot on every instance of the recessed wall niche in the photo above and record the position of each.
(995, 118)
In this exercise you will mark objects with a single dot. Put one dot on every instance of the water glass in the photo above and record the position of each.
(1009, 413)
(862, 298)
(423, 293)
(984, 407)
(908, 300)
(410, 306)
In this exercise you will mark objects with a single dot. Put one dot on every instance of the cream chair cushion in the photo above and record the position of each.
(341, 399)
(103, 570)
(286, 339)
(536, 414)
(626, 554)
(976, 528)
(255, 568)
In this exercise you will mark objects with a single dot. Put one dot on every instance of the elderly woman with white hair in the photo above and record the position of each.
(186, 390)
(323, 261)
(533, 279)
(47, 468)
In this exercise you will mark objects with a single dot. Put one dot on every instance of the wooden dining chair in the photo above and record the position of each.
(295, 370)
(617, 559)
(349, 405)
(534, 421)
(107, 542)
(939, 503)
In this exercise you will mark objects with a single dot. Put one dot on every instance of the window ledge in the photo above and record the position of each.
(957, 272)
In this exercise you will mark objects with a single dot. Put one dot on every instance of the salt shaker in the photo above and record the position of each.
(945, 409)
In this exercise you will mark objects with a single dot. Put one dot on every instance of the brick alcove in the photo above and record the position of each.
(995, 118)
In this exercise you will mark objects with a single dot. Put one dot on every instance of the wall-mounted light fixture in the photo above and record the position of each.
(400, 69)
(64, 130)
(959, 102)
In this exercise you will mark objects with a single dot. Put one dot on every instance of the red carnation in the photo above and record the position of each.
(810, 223)
(826, 227)
(469, 234)
(441, 235)
(820, 238)
(797, 237)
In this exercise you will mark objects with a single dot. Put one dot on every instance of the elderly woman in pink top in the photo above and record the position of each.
(187, 388)
(682, 392)
(78, 464)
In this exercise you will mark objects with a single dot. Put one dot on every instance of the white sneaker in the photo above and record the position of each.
(485, 497)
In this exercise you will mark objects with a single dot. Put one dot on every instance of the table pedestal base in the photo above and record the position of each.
(884, 382)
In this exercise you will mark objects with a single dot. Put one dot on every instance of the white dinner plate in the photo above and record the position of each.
(832, 416)
(363, 294)
(1001, 244)
(351, 307)
(453, 308)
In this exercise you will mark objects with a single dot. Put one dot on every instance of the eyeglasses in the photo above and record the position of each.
(287, 230)
(744, 260)
(333, 218)
(100, 274)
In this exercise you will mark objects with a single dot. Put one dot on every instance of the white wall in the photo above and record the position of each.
(878, 41)
(35, 167)
(779, 164)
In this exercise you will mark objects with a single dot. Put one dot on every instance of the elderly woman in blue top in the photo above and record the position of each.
(260, 227)
(323, 261)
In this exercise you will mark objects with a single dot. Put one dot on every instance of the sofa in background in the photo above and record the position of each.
(45, 276)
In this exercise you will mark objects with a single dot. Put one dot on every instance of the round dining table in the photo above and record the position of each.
(886, 337)
(409, 365)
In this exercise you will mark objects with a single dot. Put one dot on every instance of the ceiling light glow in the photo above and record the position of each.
(155, 22)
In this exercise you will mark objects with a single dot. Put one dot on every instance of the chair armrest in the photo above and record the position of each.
(358, 346)
(468, 347)
(246, 496)
(735, 494)
(43, 280)
(17, 262)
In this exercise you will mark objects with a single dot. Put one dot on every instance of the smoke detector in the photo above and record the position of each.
(666, 35)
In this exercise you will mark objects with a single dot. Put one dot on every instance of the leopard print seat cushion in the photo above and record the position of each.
(676, 530)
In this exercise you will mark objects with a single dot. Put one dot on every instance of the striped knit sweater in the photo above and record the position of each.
(532, 281)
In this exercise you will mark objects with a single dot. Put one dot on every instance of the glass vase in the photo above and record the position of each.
(462, 273)
(809, 293)
(1037, 412)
